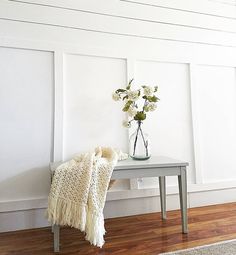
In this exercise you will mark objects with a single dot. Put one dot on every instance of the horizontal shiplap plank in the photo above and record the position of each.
(144, 13)
(229, 2)
(16, 35)
(112, 25)
(212, 8)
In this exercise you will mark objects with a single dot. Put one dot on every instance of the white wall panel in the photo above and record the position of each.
(91, 117)
(170, 126)
(26, 102)
(216, 113)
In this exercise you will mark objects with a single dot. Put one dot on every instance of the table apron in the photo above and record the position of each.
(146, 172)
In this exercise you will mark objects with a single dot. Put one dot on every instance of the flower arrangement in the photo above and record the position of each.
(137, 103)
(131, 97)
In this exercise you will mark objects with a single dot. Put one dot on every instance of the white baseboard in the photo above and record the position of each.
(26, 214)
(26, 219)
(151, 202)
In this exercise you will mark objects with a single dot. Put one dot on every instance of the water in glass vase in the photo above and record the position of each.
(139, 147)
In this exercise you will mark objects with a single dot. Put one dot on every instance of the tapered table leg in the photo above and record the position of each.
(56, 238)
(162, 186)
(182, 180)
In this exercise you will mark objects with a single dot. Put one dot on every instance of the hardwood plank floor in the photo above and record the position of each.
(135, 235)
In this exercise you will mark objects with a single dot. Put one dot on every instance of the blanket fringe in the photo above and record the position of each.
(66, 213)
(95, 228)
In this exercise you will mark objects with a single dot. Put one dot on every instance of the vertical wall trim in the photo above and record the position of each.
(196, 132)
(134, 184)
(58, 106)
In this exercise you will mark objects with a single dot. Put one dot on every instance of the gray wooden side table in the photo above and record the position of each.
(153, 167)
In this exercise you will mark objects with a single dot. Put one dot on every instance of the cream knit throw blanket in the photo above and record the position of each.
(78, 192)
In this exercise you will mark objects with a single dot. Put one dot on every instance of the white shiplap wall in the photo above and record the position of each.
(60, 61)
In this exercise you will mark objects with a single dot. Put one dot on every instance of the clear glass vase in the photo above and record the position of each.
(139, 147)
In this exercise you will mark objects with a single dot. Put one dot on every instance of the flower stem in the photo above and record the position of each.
(136, 137)
(144, 142)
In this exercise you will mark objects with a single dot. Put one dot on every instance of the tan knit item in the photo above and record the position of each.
(78, 192)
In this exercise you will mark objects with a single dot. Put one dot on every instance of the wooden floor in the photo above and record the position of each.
(143, 234)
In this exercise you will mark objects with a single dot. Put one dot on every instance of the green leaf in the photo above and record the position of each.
(153, 99)
(145, 97)
(127, 105)
(129, 85)
(125, 97)
(120, 90)
(140, 116)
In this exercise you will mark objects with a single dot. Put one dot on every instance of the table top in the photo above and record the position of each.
(152, 162)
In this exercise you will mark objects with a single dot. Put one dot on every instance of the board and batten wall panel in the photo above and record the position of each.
(170, 126)
(26, 100)
(91, 117)
(215, 88)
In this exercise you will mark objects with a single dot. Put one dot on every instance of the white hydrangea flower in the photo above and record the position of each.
(148, 91)
(151, 107)
(126, 124)
(132, 111)
(133, 95)
(115, 96)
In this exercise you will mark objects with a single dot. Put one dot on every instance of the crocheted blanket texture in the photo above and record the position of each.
(78, 192)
